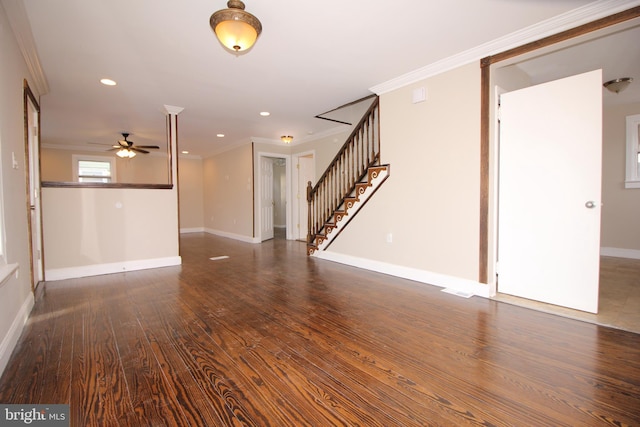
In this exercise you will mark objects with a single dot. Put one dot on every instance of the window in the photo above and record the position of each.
(633, 152)
(94, 169)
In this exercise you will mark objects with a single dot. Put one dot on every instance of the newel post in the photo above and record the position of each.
(309, 191)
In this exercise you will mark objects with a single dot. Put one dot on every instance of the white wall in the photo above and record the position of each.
(16, 299)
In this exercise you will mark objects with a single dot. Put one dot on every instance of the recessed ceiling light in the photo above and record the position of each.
(265, 113)
(108, 82)
(220, 135)
(185, 152)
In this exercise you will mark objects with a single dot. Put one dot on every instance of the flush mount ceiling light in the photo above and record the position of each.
(236, 29)
(618, 85)
(286, 139)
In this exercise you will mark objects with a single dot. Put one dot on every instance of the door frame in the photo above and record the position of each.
(488, 159)
(32, 145)
(287, 159)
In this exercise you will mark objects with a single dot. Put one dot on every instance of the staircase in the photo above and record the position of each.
(351, 179)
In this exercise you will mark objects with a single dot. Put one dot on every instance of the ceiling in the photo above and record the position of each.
(312, 57)
(614, 50)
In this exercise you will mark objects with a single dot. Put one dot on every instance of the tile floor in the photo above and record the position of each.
(619, 301)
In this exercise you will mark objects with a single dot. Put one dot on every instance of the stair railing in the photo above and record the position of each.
(359, 152)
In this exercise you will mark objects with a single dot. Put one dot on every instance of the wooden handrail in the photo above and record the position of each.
(374, 106)
(360, 151)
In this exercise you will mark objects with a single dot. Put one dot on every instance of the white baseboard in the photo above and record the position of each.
(620, 253)
(116, 267)
(192, 230)
(11, 339)
(246, 239)
(423, 276)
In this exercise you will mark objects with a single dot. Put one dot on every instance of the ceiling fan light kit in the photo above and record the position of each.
(236, 29)
(127, 149)
(125, 153)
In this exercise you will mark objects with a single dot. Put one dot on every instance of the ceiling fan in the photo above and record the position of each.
(127, 149)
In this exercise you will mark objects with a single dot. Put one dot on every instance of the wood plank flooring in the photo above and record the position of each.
(270, 337)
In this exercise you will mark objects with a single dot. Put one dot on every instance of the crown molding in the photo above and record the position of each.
(21, 27)
(566, 21)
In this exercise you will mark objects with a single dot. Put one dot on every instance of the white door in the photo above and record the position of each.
(35, 227)
(306, 173)
(549, 192)
(266, 198)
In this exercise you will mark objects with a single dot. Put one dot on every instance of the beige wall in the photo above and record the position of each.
(57, 166)
(228, 193)
(16, 298)
(191, 184)
(621, 206)
(86, 227)
(324, 149)
(430, 203)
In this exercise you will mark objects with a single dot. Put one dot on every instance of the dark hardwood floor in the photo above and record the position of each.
(270, 337)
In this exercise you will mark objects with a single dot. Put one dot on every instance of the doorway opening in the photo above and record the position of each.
(274, 196)
(32, 142)
(563, 54)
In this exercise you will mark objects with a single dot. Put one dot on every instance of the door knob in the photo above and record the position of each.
(590, 204)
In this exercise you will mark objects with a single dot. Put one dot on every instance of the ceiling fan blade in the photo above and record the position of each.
(123, 143)
(136, 149)
(147, 146)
